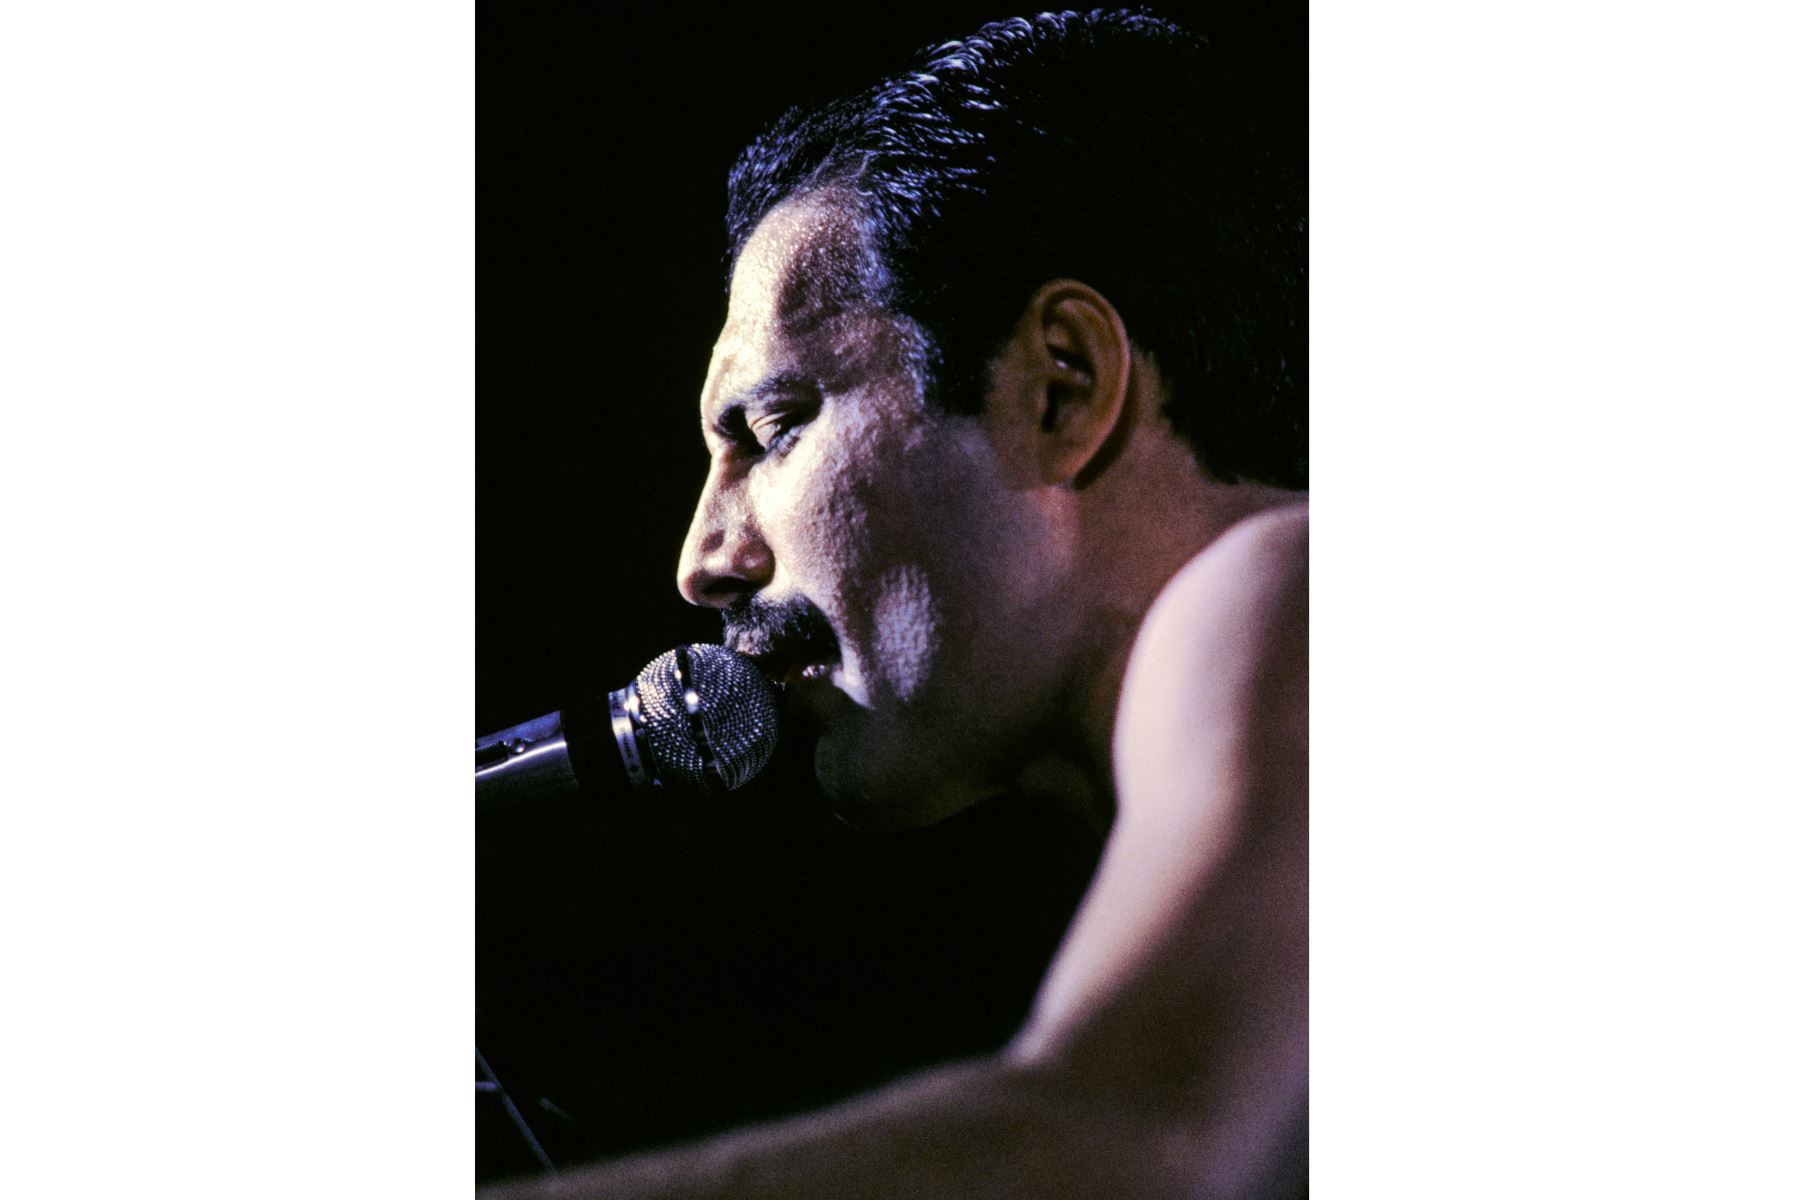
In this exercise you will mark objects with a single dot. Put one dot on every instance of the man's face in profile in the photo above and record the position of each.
(861, 543)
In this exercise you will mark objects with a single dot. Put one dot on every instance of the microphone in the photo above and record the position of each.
(698, 720)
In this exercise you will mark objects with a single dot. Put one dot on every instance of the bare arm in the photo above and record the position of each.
(987, 1129)
(1166, 1054)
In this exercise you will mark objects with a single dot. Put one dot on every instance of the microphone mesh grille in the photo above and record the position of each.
(737, 714)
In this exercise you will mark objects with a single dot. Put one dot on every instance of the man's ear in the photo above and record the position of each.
(1060, 385)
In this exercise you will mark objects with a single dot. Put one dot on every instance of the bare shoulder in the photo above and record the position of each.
(1217, 679)
(1209, 759)
(1250, 579)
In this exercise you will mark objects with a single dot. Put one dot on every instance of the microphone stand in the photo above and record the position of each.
(488, 1083)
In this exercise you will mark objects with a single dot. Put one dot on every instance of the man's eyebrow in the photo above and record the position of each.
(727, 420)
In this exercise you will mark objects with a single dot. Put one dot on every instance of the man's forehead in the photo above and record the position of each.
(804, 301)
(804, 262)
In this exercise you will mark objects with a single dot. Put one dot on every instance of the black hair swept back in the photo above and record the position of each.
(1102, 147)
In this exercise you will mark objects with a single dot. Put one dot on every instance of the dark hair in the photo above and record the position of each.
(1101, 148)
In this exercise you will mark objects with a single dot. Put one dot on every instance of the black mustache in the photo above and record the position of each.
(791, 630)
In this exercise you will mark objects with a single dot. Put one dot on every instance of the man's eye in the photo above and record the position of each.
(777, 431)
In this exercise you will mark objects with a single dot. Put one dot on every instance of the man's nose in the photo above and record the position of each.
(725, 558)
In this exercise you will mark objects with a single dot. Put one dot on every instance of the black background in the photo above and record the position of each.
(664, 974)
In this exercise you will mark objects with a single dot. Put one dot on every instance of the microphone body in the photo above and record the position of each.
(529, 762)
(698, 720)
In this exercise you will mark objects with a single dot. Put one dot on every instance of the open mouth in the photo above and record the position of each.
(809, 672)
(790, 641)
(788, 668)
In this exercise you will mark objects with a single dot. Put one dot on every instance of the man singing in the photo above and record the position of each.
(1008, 457)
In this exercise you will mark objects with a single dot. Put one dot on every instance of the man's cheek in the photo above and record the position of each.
(906, 632)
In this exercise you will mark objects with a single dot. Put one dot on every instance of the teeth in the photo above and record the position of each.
(814, 671)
